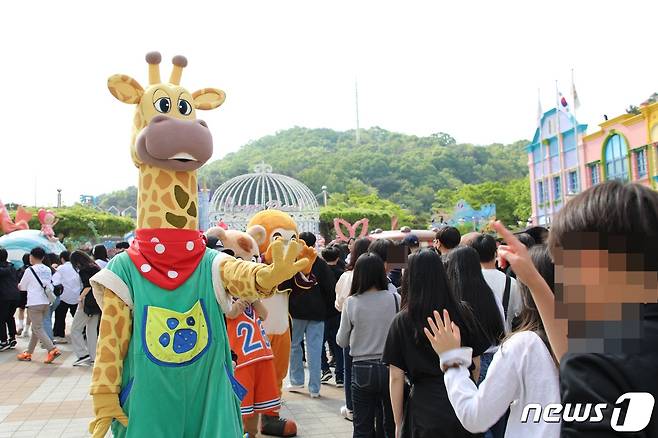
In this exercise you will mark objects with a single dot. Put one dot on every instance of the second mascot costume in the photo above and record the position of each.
(268, 227)
(163, 366)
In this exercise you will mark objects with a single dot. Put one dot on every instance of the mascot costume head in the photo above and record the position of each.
(169, 143)
(236, 243)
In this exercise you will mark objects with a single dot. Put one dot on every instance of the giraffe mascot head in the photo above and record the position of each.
(169, 143)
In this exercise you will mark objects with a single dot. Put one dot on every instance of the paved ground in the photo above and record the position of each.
(39, 400)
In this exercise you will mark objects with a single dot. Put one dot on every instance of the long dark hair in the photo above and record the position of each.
(426, 289)
(465, 276)
(369, 273)
(360, 247)
(530, 320)
(81, 260)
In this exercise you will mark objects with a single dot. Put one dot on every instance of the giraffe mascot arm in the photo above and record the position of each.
(148, 332)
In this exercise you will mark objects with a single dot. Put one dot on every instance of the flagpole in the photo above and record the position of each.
(575, 108)
(356, 101)
(543, 157)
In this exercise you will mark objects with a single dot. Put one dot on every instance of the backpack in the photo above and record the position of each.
(506, 294)
(90, 305)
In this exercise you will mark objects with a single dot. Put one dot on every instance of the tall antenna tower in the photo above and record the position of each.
(356, 95)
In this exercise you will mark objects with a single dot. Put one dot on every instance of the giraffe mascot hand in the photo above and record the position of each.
(283, 266)
(163, 362)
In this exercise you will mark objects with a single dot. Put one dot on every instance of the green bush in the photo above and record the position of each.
(84, 223)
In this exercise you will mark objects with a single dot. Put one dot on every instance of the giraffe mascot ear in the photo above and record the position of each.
(208, 98)
(125, 88)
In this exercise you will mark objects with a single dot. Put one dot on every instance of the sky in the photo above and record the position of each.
(471, 69)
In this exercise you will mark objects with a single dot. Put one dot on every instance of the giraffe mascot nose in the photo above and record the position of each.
(175, 144)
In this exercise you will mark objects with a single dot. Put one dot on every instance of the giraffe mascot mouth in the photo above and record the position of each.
(174, 144)
(163, 366)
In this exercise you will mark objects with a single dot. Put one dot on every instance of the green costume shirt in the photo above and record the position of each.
(177, 376)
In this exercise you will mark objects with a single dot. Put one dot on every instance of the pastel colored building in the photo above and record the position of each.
(564, 160)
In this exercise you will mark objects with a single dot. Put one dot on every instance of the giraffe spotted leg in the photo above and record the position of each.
(112, 347)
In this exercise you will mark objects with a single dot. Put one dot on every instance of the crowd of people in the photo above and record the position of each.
(475, 329)
(457, 342)
(36, 299)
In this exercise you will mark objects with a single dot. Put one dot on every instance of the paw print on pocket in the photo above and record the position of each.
(174, 338)
(184, 338)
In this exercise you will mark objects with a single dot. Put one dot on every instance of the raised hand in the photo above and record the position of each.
(516, 255)
(443, 334)
(283, 266)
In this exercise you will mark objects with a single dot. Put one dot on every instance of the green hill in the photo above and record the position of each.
(406, 169)
(417, 173)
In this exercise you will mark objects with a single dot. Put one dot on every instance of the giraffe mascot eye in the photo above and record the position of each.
(162, 105)
(184, 107)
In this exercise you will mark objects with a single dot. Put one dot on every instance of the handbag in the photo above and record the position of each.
(46, 291)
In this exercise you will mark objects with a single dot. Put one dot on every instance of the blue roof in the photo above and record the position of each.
(563, 129)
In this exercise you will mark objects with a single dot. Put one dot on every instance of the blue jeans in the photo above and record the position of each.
(330, 330)
(313, 332)
(347, 361)
(48, 319)
(370, 396)
(498, 429)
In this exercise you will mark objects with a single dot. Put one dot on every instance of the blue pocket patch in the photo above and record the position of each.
(239, 390)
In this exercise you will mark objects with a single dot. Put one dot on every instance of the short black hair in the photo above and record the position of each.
(308, 238)
(26, 259)
(38, 253)
(3, 255)
(65, 255)
(526, 239)
(380, 247)
(330, 254)
(486, 247)
(100, 252)
(122, 245)
(449, 237)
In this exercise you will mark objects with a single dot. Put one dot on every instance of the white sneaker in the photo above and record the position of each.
(294, 388)
(315, 395)
(59, 340)
(346, 413)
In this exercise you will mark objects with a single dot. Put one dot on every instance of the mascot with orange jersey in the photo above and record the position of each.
(266, 227)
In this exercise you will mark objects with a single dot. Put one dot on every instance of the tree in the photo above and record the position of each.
(355, 206)
(120, 199)
(444, 139)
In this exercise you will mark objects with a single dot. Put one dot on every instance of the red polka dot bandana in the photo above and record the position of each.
(167, 257)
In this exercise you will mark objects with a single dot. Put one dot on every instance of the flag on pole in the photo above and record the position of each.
(539, 110)
(563, 102)
(574, 94)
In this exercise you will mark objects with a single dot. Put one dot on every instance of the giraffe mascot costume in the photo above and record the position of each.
(163, 363)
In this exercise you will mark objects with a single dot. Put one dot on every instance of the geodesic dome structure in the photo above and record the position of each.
(239, 198)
